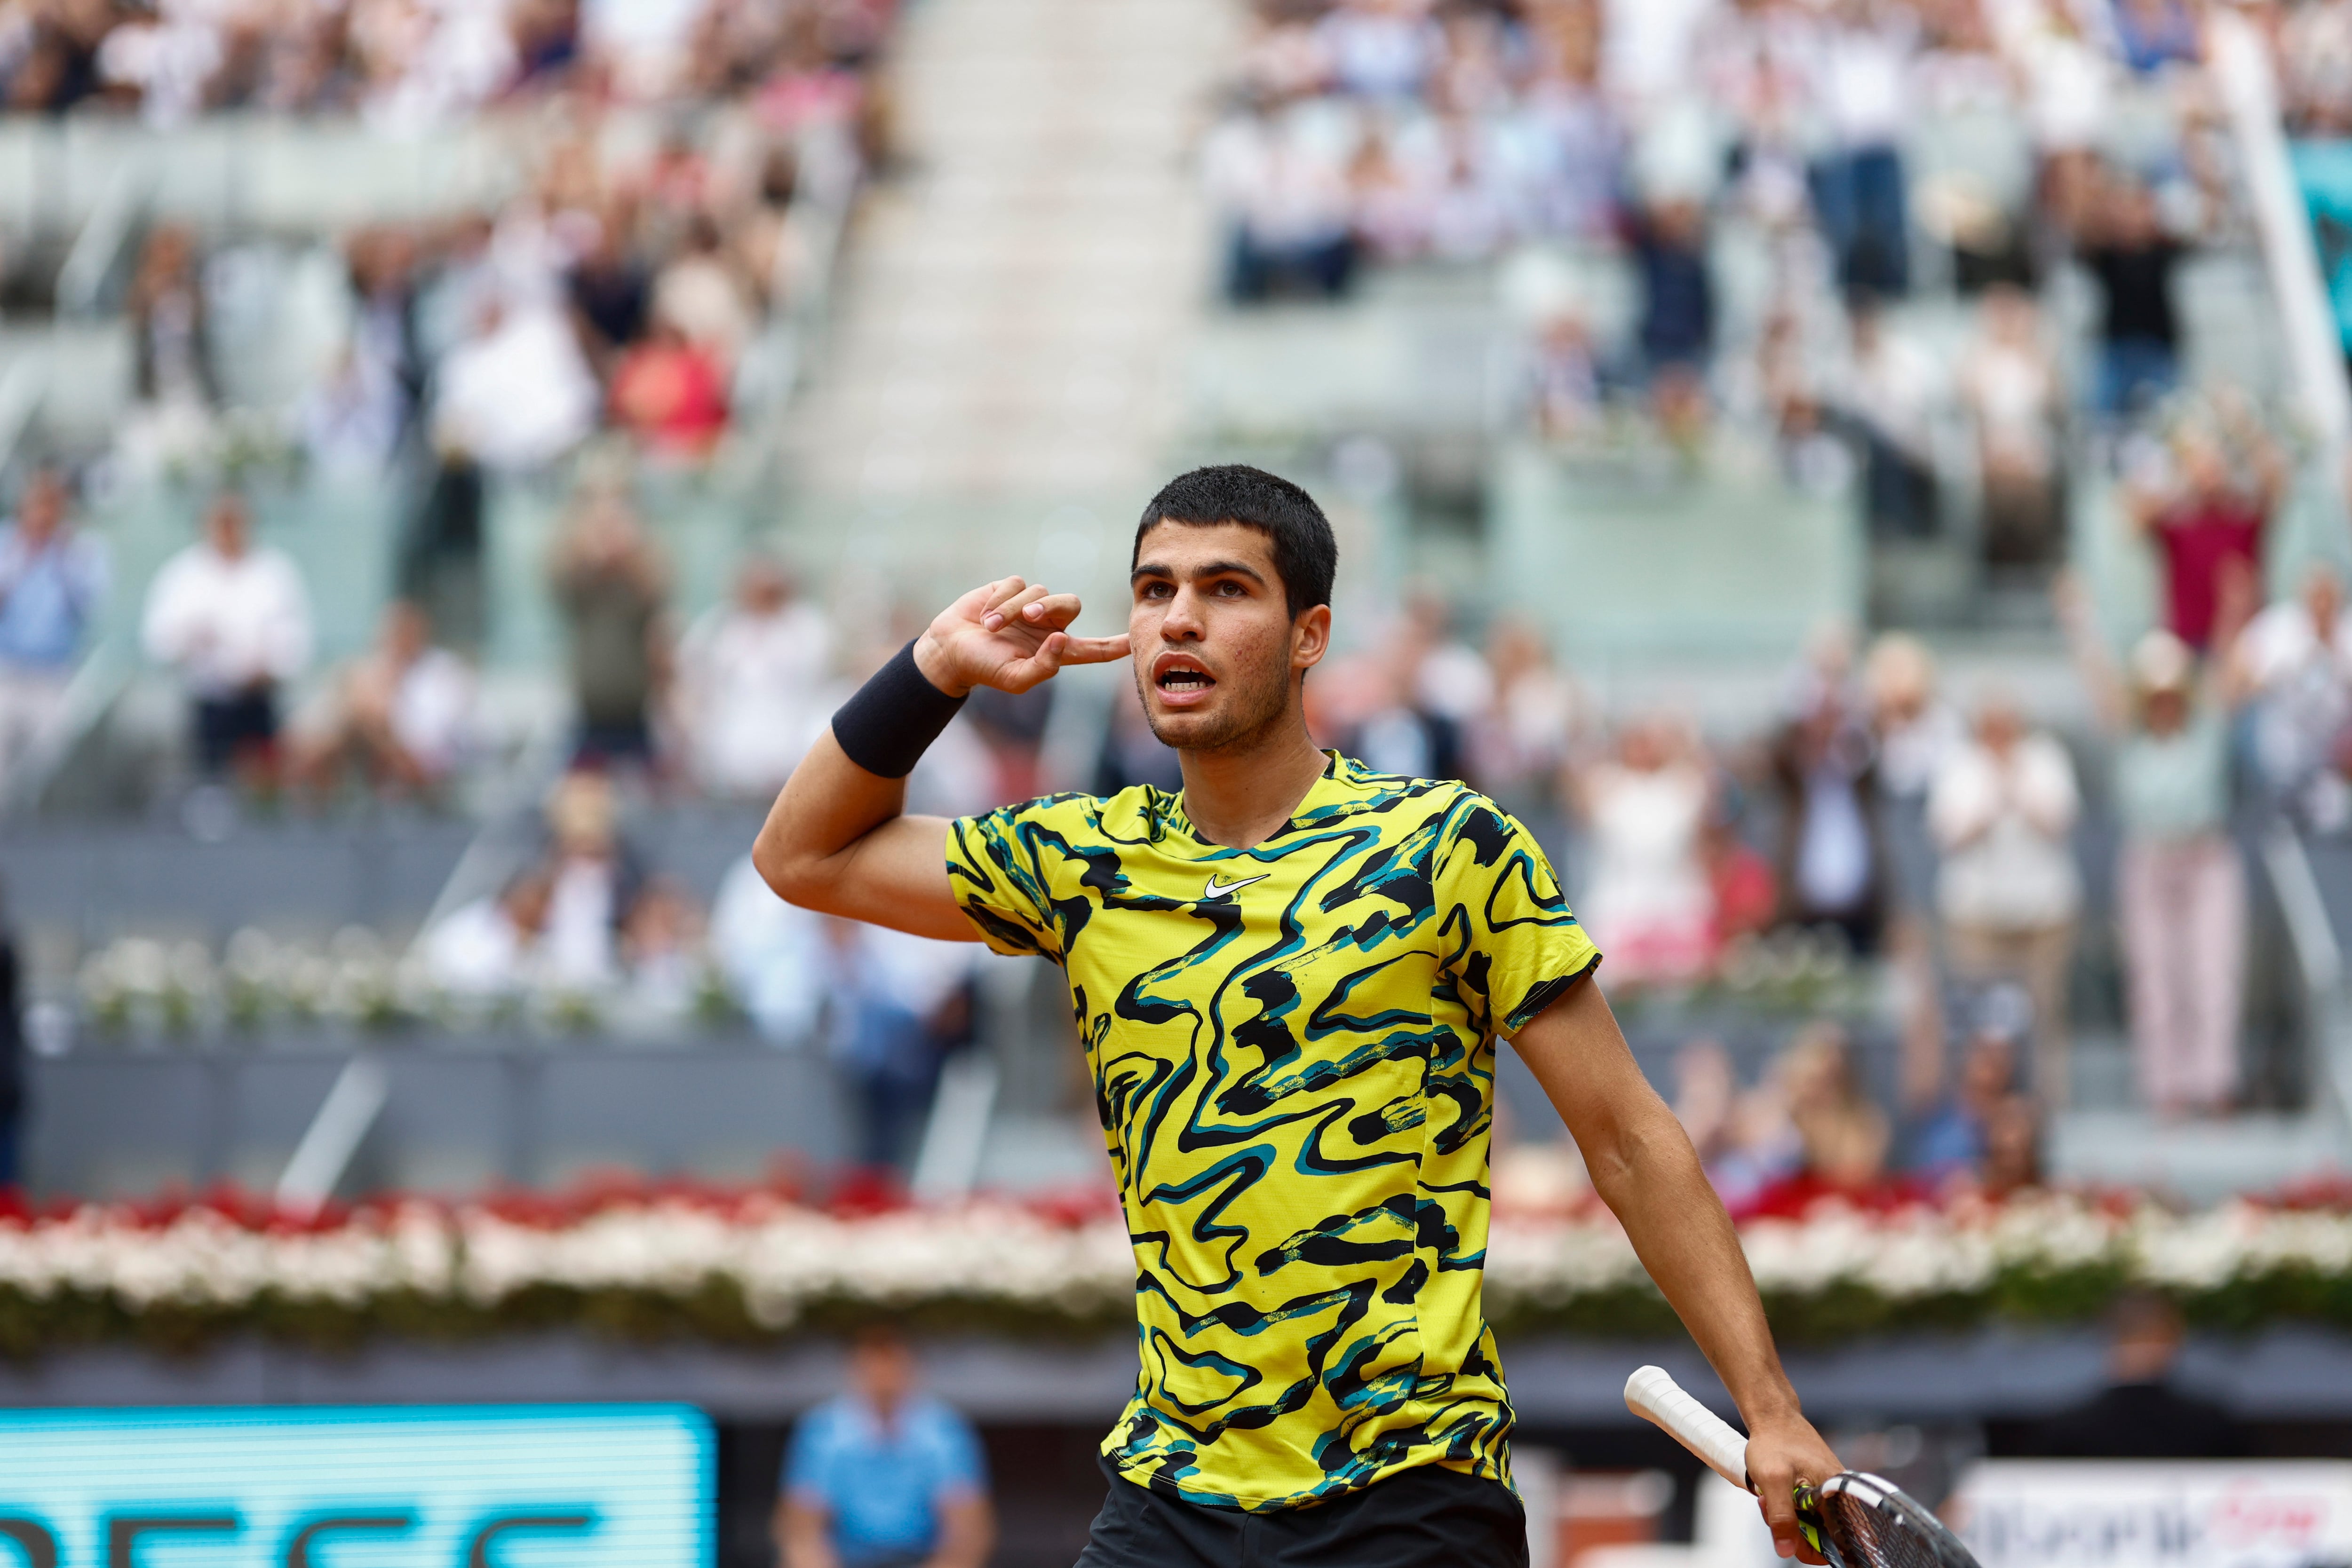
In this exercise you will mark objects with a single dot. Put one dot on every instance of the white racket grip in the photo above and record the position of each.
(1654, 1396)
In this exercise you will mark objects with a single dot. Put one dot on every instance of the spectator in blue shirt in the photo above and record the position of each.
(1954, 1139)
(884, 1476)
(52, 581)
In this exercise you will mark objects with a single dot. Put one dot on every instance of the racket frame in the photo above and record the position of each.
(1651, 1393)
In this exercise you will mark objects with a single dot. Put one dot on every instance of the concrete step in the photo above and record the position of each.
(1019, 299)
(2201, 1161)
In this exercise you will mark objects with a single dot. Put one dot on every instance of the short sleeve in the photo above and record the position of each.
(961, 1468)
(807, 1462)
(1513, 946)
(996, 867)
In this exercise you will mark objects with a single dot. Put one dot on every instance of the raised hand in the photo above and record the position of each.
(1009, 634)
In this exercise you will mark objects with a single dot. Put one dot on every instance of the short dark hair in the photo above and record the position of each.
(1305, 553)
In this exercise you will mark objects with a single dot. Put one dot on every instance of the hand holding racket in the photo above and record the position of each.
(1856, 1520)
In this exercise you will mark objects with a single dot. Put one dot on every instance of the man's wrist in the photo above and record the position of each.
(894, 718)
(1765, 1406)
(932, 658)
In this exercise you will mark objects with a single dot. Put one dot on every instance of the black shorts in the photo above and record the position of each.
(1425, 1518)
(229, 728)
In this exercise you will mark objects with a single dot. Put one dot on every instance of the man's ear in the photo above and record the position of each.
(1311, 637)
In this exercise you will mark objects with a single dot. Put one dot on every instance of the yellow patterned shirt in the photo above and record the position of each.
(1293, 1048)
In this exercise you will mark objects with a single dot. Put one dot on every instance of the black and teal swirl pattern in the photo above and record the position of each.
(1293, 1048)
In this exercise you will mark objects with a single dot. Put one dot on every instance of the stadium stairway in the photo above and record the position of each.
(1003, 374)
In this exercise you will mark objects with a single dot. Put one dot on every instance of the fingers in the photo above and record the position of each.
(1093, 650)
(1013, 605)
(1781, 1519)
(1035, 609)
(1776, 1489)
(1058, 651)
(971, 606)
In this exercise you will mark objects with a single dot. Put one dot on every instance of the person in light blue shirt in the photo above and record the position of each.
(884, 1475)
(52, 581)
(2181, 880)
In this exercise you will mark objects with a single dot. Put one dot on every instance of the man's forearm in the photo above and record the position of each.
(853, 779)
(801, 1537)
(837, 840)
(1645, 1168)
(1655, 1185)
(968, 1529)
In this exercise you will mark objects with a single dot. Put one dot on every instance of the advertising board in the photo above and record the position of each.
(468, 1487)
(2016, 1513)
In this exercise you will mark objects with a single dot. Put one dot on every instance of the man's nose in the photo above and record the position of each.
(1184, 617)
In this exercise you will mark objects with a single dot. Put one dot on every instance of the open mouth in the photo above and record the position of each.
(1180, 679)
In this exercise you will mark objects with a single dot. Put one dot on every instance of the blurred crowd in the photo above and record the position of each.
(1391, 130)
(1873, 817)
(1941, 837)
(1719, 208)
(618, 298)
(620, 304)
(629, 286)
(624, 291)
(409, 66)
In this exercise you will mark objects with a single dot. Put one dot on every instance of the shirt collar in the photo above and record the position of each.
(1332, 794)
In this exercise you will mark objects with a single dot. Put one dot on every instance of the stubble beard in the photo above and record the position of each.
(1256, 709)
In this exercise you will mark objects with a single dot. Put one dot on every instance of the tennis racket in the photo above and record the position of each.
(1856, 1520)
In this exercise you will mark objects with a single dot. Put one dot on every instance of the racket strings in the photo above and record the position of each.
(1866, 1535)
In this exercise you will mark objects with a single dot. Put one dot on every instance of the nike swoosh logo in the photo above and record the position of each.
(1219, 890)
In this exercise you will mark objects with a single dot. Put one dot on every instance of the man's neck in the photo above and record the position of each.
(1241, 795)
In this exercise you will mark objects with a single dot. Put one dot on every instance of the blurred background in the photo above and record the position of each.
(1866, 480)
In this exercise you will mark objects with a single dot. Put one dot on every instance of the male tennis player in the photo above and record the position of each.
(1290, 978)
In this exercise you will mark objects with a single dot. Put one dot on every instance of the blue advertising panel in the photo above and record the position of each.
(452, 1487)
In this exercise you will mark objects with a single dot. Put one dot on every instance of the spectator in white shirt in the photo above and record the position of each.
(1917, 731)
(235, 622)
(487, 950)
(1862, 93)
(751, 672)
(1382, 48)
(772, 954)
(2003, 810)
(400, 715)
(2010, 380)
(52, 581)
(518, 394)
(701, 294)
(2297, 658)
(1282, 183)
(1892, 396)
(594, 881)
(350, 421)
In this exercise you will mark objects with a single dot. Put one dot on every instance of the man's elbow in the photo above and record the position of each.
(789, 875)
(1636, 1150)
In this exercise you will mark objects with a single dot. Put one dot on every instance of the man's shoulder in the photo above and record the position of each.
(831, 1424)
(1071, 809)
(1413, 803)
(936, 1419)
(1132, 814)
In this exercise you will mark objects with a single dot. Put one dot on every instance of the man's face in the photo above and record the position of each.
(405, 633)
(43, 509)
(1215, 646)
(2323, 596)
(883, 1372)
(226, 527)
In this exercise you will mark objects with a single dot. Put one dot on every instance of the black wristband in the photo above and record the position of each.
(894, 718)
